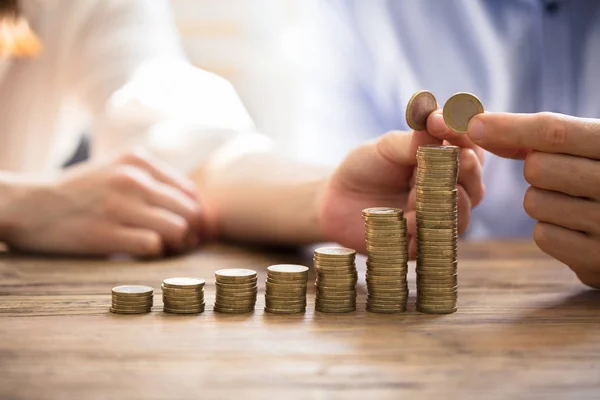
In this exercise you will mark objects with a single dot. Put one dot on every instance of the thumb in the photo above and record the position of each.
(386, 164)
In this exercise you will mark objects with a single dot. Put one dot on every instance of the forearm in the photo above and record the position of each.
(263, 198)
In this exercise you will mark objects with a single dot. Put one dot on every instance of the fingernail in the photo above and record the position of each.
(475, 130)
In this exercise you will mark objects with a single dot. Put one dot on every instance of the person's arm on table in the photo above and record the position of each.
(562, 165)
(130, 204)
(259, 197)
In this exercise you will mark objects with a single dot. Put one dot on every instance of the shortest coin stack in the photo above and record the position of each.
(236, 290)
(132, 299)
(336, 279)
(183, 295)
(286, 289)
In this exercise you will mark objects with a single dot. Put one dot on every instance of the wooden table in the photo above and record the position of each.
(526, 328)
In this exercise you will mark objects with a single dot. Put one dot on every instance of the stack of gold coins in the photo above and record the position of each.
(236, 290)
(336, 279)
(183, 295)
(387, 259)
(437, 234)
(286, 289)
(132, 299)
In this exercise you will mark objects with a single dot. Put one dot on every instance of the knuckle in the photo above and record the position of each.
(180, 229)
(533, 167)
(135, 156)
(540, 236)
(151, 245)
(530, 201)
(553, 129)
(125, 178)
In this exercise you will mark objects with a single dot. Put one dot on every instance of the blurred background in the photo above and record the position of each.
(261, 47)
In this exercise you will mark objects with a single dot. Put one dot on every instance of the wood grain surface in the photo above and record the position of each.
(526, 328)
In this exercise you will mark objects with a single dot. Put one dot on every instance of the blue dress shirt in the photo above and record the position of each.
(515, 55)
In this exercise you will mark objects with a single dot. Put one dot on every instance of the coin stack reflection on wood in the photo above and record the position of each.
(437, 235)
(236, 290)
(387, 259)
(183, 295)
(336, 279)
(285, 291)
(132, 299)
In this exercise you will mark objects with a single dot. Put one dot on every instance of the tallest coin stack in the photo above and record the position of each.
(437, 233)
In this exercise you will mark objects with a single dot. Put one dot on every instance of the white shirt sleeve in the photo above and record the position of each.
(130, 72)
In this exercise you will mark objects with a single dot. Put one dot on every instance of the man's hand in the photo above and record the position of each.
(381, 173)
(133, 204)
(562, 165)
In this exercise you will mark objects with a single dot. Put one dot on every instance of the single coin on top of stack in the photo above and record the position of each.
(132, 299)
(286, 289)
(387, 259)
(236, 290)
(437, 232)
(183, 295)
(336, 279)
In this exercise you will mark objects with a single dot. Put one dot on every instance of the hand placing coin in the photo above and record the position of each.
(382, 173)
(562, 165)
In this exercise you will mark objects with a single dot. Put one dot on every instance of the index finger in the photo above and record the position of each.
(436, 126)
(516, 135)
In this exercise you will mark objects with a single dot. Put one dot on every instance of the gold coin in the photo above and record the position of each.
(385, 310)
(192, 308)
(287, 269)
(336, 273)
(345, 276)
(334, 252)
(285, 305)
(330, 297)
(284, 296)
(335, 311)
(429, 310)
(238, 286)
(135, 298)
(382, 212)
(279, 311)
(235, 275)
(183, 301)
(286, 282)
(438, 149)
(292, 279)
(227, 310)
(395, 303)
(183, 283)
(459, 109)
(192, 311)
(138, 304)
(136, 311)
(235, 303)
(336, 292)
(384, 296)
(399, 269)
(133, 290)
(182, 292)
(279, 291)
(420, 105)
(198, 296)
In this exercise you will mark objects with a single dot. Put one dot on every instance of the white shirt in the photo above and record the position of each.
(113, 69)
